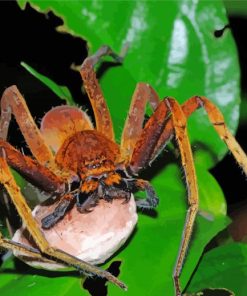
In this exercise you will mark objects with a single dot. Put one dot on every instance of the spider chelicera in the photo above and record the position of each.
(80, 164)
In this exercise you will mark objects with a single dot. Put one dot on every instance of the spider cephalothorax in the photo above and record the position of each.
(94, 161)
(79, 163)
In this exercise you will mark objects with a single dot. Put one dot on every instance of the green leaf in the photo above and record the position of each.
(236, 7)
(149, 258)
(172, 46)
(61, 91)
(37, 282)
(212, 292)
(225, 266)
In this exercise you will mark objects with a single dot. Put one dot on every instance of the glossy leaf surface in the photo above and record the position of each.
(172, 46)
(225, 266)
(148, 259)
(33, 282)
(212, 292)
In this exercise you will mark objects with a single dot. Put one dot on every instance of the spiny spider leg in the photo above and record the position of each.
(179, 123)
(37, 174)
(93, 89)
(134, 137)
(12, 102)
(25, 213)
(217, 120)
(42, 172)
(143, 153)
(24, 250)
(143, 94)
(14, 246)
(148, 139)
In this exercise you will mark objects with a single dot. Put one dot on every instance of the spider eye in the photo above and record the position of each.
(93, 166)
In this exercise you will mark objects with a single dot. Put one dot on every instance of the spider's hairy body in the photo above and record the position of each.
(93, 159)
(88, 153)
(80, 163)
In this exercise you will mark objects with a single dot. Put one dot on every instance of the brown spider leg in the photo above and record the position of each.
(142, 155)
(14, 246)
(25, 251)
(216, 118)
(34, 172)
(93, 89)
(12, 102)
(179, 122)
(148, 139)
(134, 123)
(25, 213)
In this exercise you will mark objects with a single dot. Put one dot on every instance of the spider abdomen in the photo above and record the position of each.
(86, 151)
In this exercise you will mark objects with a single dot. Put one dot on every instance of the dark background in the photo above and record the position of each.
(31, 37)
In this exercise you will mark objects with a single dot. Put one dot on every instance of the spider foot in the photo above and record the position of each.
(126, 199)
(147, 203)
(59, 212)
(106, 50)
(108, 198)
(90, 202)
(152, 200)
